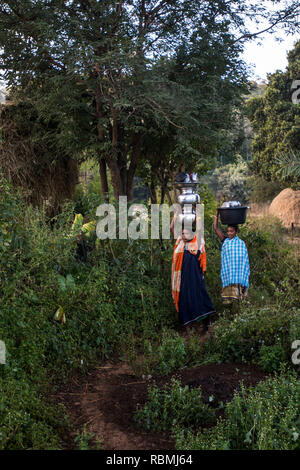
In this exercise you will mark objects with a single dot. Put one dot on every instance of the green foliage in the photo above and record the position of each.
(229, 182)
(169, 355)
(261, 190)
(87, 195)
(254, 335)
(85, 440)
(289, 164)
(277, 273)
(270, 357)
(168, 96)
(32, 159)
(295, 327)
(266, 417)
(118, 303)
(165, 353)
(173, 405)
(116, 295)
(26, 421)
(275, 119)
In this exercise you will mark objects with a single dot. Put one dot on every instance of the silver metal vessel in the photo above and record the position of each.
(188, 197)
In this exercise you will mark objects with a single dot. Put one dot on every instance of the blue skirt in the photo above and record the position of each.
(194, 301)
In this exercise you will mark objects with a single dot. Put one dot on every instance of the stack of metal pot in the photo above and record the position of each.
(188, 198)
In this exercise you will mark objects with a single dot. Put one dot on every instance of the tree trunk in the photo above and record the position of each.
(135, 155)
(103, 178)
(169, 197)
(116, 161)
(116, 180)
(163, 192)
(152, 193)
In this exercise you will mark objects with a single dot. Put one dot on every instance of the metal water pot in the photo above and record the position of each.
(190, 198)
(187, 218)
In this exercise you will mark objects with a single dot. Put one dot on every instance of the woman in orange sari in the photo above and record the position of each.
(189, 292)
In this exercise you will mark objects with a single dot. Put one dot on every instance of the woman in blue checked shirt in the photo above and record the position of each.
(235, 269)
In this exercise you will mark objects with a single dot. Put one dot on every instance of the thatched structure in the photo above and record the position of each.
(286, 206)
(43, 172)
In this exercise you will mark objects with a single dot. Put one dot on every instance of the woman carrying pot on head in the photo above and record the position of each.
(235, 268)
(189, 292)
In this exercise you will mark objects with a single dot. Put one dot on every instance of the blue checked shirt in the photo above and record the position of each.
(235, 268)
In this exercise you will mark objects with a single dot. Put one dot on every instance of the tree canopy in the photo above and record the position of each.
(124, 78)
(275, 118)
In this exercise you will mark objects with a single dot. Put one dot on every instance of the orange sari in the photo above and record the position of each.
(177, 263)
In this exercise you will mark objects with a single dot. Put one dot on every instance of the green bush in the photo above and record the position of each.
(266, 417)
(119, 302)
(26, 421)
(263, 191)
(105, 301)
(169, 355)
(270, 357)
(230, 182)
(173, 405)
(164, 353)
(254, 335)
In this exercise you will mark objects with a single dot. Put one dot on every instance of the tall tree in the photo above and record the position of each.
(101, 68)
(275, 118)
(31, 159)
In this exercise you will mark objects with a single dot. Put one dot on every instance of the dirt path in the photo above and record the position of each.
(106, 401)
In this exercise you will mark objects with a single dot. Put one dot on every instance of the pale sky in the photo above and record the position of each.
(270, 56)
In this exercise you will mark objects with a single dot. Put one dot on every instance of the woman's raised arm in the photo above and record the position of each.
(216, 227)
(172, 225)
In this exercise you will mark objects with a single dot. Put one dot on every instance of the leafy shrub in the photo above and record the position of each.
(118, 301)
(169, 355)
(115, 294)
(270, 357)
(254, 335)
(26, 422)
(271, 260)
(266, 417)
(165, 353)
(262, 190)
(230, 182)
(173, 405)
